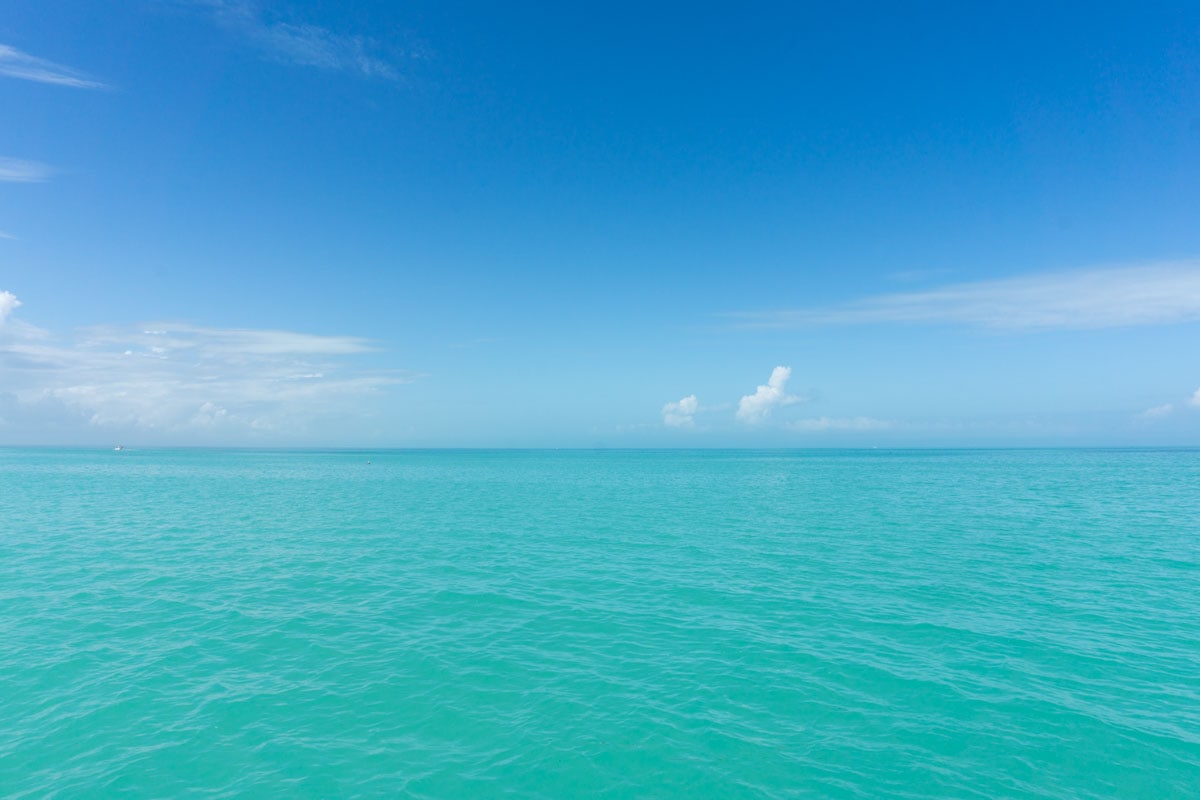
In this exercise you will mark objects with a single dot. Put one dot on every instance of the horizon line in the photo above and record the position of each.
(435, 448)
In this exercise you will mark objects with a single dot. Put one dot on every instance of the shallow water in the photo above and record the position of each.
(844, 624)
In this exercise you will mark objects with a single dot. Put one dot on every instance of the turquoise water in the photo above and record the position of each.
(728, 624)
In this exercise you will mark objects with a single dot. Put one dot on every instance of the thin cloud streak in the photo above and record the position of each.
(1156, 294)
(161, 336)
(832, 424)
(16, 64)
(15, 170)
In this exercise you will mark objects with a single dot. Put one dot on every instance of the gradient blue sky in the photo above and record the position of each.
(518, 224)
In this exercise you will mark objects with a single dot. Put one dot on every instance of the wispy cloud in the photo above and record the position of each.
(16, 64)
(1094, 298)
(178, 338)
(303, 43)
(15, 170)
(1158, 412)
(681, 413)
(4, 235)
(1169, 409)
(178, 378)
(754, 409)
(822, 424)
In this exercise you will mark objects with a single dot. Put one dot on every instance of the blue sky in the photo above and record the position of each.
(430, 224)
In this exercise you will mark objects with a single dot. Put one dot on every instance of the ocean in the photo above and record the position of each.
(557, 624)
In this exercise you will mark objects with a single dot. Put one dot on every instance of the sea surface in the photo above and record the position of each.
(616, 624)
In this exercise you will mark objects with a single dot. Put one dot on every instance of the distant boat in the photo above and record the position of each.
(118, 447)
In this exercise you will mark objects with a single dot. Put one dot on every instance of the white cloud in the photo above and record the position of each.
(1153, 294)
(1158, 412)
(817, 424)
(16, 64)
(4, 235)
(1167, 409)
(180, 378)
(14, 170)
(681, 414)
(302, 43)
(755, 408)
(8, 304)
(162, 337)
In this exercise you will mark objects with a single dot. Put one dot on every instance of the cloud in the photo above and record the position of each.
(4, 235)
(161, 337)
(303, 44)
(1154, 294)
(1158, 412)
(817, 424)
(681, 414)
(1167, 409)
(14, 170)
(16, 64)
(755, 408)
(174, 378)
(8, 304)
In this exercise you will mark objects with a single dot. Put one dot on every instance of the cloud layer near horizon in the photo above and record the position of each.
(1168, 409)
(1096, 298)
(844, 424)
(681, 413)
(181, 378)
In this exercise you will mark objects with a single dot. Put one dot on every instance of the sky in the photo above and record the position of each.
(379, 224)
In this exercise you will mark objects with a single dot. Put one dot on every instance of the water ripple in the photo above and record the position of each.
(618, 624)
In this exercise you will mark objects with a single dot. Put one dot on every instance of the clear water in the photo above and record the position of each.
(617, 624)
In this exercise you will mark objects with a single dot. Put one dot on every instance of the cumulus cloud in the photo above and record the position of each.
(16, 64)
(756, 408)
(174, 378)
(820, 424)
(682, 413)
(1152, 294)
(8, 304)
(15, 170)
